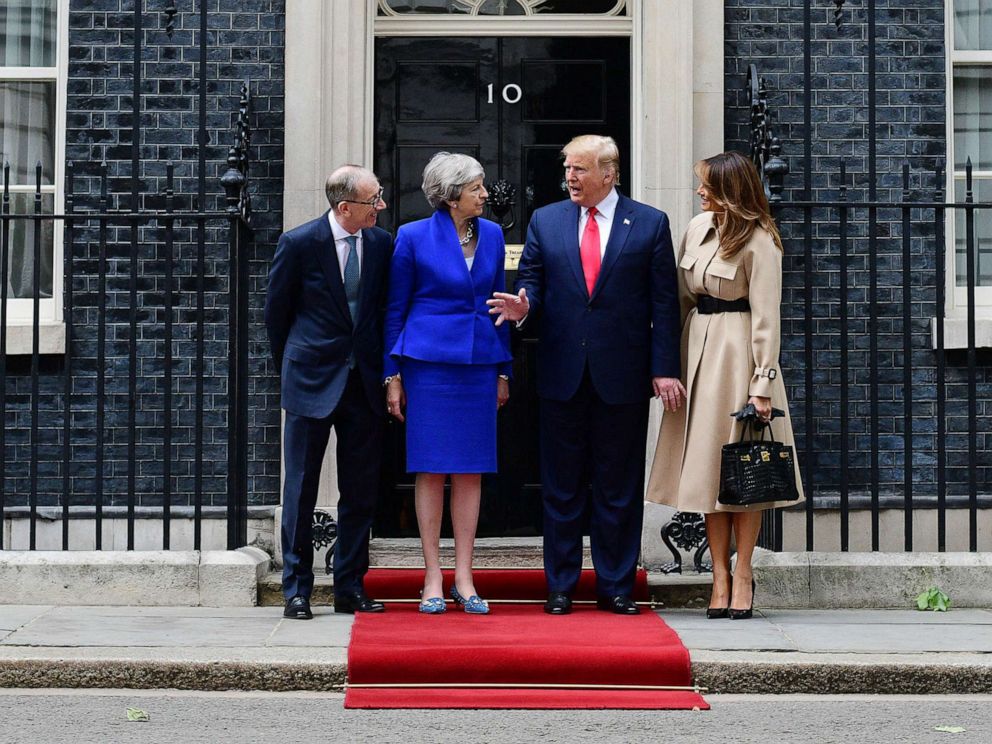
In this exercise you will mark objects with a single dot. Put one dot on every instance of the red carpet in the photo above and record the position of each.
(519, 657)
(491, 583)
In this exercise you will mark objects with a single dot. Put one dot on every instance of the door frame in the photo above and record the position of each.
(677, 99)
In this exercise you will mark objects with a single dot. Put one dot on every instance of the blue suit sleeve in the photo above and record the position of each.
(402, 275)
(281, 297)
(530, 272)
(665, 341)
(503, 331)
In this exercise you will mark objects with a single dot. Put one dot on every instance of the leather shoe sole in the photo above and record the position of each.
(349, 606)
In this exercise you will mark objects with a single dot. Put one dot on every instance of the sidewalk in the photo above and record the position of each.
(780, 651)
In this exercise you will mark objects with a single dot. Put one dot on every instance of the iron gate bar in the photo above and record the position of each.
(237, 371)
(67, 360)
(101, 372)
(907, 363)
(170, 197)
(132, 392)
(35, 355)
(969, 199)
(4, 247)
(940, 258)
(873, 281)
(808, 261)
(844, 420)
(201, 227)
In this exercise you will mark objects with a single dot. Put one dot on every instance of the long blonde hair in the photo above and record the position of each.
(733, 185)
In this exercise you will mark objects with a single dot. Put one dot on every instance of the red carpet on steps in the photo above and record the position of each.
(491, 583)
(513, 647)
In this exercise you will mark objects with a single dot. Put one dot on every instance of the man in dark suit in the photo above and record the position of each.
(323, 311)
(597, 275)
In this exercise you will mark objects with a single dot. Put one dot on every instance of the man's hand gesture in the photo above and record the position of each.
(509, 306)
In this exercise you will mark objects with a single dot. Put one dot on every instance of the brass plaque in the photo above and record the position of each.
(513, 253)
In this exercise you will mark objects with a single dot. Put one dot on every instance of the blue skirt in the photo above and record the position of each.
(450, 417)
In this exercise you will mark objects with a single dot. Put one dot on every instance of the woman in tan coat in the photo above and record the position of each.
(730, 285)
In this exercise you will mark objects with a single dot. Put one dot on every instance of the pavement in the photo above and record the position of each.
(254, 648)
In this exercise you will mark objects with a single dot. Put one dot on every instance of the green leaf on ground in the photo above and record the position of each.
(950, 729)
(933, 599)
(136, 714)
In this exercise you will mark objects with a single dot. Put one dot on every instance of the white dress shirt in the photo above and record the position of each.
(341, 245)
(604, 219)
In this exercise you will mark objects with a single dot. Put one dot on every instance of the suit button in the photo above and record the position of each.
(588, 309)
(583, 342)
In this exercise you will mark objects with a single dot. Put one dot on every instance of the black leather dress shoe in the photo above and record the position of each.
(298, 608)
(620, 605)
(558, 603)
(352, 603)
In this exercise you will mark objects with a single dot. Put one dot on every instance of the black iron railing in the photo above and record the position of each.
(929, 470)
(96, 233)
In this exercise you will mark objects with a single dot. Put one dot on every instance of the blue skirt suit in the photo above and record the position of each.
(442, 341)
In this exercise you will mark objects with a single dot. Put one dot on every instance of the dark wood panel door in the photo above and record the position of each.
(512, 103)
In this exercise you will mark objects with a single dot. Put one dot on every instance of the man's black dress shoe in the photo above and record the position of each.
(620, 604)
(558, 603)
(298, 608)
(352, 603)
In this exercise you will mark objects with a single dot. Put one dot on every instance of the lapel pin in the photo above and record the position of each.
(626, 221)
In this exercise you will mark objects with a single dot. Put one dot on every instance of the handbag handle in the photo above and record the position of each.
(749, 416)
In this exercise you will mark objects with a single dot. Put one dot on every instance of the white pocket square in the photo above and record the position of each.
(626, 221)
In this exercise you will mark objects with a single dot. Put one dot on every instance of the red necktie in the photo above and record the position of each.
(589, 250)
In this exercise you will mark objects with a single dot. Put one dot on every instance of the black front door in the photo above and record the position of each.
(511, 103)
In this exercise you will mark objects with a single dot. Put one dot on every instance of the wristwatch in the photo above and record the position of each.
(387, 380)
(504, 377)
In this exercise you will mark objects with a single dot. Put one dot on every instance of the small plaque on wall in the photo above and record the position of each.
(513, 253)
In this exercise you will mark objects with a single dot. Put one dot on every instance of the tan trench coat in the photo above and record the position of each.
(726, 358)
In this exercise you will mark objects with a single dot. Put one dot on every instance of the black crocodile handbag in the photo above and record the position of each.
(757, 471)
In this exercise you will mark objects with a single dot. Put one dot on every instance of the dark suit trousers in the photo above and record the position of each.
(359, 432)
(586, 436)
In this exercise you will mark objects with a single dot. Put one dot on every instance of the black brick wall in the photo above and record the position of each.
(245, 39)
(911, 119)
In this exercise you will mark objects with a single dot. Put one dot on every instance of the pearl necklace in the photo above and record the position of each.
(468, 236)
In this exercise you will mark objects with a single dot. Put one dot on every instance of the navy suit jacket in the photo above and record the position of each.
(628, 331)
(311, 331)
(437, 308)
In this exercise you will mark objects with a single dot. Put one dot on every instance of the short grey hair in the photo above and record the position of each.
(446, 174)
(343, 183)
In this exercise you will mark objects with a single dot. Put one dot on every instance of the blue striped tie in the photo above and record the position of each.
(351, 277)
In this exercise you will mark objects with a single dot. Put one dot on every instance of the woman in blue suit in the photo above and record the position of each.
(447, 365)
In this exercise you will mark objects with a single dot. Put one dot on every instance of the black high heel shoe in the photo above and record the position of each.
(744, 614)
(719, 613)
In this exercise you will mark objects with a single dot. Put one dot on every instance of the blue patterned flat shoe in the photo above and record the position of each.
(432, 606)
(474, 605)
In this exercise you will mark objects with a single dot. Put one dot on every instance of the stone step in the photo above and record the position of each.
(668, 590)
(671, 590)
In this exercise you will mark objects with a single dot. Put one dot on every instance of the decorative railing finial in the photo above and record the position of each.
(839, 13)
(235, 178)
(170, 17)
(766, 149)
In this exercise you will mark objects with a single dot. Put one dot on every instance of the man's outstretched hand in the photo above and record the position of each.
(509, 306)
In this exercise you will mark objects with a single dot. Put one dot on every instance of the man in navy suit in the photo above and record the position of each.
(323, 311)
(598, 277)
